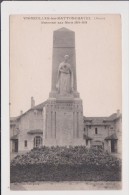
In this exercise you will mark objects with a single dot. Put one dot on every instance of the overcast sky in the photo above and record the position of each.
(98, 62)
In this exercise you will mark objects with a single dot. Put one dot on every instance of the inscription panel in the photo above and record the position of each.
(65, 127)
(64, 106)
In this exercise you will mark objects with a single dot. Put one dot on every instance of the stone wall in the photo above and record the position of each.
(32, 120)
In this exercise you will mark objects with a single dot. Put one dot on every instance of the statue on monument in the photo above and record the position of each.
(65, 77)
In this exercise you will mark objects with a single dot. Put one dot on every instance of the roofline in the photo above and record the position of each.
(107, 118)
(33, 108)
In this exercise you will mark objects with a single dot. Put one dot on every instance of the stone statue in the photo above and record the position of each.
(65, 77)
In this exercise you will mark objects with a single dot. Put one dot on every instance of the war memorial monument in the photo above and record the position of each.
(63, 112)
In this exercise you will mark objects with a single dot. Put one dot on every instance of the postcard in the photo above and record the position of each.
(66, 117)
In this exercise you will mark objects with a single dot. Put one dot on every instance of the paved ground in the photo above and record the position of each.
(66, 186)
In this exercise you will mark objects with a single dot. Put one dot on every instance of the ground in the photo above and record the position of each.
(88, 185)
(61, 168)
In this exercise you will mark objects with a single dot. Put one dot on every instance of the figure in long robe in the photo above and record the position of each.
(65, 77)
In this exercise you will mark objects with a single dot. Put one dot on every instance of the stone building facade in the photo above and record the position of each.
(104, 132)
(26, 131)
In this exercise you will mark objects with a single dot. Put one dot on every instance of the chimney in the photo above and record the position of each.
(21, 112)
(118, 113)
(32, 102)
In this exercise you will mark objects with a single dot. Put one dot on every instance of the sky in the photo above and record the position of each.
(98, 60)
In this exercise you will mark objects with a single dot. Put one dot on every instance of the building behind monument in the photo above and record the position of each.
(26, 131)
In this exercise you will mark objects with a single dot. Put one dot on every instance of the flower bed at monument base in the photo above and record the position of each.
(65, 164)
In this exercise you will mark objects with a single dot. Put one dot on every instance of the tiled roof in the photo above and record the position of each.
(113, 117)
(101, 120)
(35, 131)
(113, 136)
(37, 107)
(95, 120)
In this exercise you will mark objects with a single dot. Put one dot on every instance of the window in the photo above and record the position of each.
(86, 142)
(25, 143)
(37, 141)
(96, 131)
(90, 127)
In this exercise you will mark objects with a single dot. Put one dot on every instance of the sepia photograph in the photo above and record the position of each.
(65, 102)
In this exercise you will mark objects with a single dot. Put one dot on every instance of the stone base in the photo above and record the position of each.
(63, 122)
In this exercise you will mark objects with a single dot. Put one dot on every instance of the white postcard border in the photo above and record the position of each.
(66, 7)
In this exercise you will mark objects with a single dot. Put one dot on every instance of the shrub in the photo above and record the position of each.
(64, 164)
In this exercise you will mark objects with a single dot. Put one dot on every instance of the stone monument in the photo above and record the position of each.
(63, 112)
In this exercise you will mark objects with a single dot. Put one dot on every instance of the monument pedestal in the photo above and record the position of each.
(64, 122)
